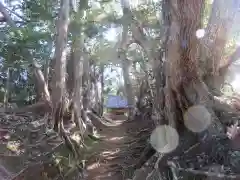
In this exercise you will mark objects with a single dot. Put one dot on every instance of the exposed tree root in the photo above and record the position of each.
(193, 172)
(147, 153)
(99, 122)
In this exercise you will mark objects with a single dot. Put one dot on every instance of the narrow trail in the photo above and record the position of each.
(107, 161)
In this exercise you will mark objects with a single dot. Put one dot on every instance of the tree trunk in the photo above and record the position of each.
(70, 73)
(184, 85)
(87, 96)
(78, 74)
(96, 96)
(58, 80)
(86, 85)
(46, 71)
(213, 44)
(41, 84)
(102, 88)
(96, 76)
(78, 62)
(47, 65)
(125, 63)
(181, 67)
(127, 82)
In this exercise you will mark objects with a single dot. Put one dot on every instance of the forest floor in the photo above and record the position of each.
(28, 152)
(108, 160)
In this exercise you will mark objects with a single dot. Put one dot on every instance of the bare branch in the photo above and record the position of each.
(16, 14)
(6, 15)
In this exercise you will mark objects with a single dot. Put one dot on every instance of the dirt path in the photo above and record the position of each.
(106, 163)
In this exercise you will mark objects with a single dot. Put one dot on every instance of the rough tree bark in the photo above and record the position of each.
(181, 64)
(184, 79)
(183, 49)
(212, 45)
(184, 84)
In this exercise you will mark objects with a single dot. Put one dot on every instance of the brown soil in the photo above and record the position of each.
(111, 158)
(108, 161)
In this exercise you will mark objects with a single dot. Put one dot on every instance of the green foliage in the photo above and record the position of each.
(31, 41)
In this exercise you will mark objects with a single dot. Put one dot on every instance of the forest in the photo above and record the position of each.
(175, 64)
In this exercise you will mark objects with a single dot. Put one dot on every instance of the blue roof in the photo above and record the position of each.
(116, 102)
